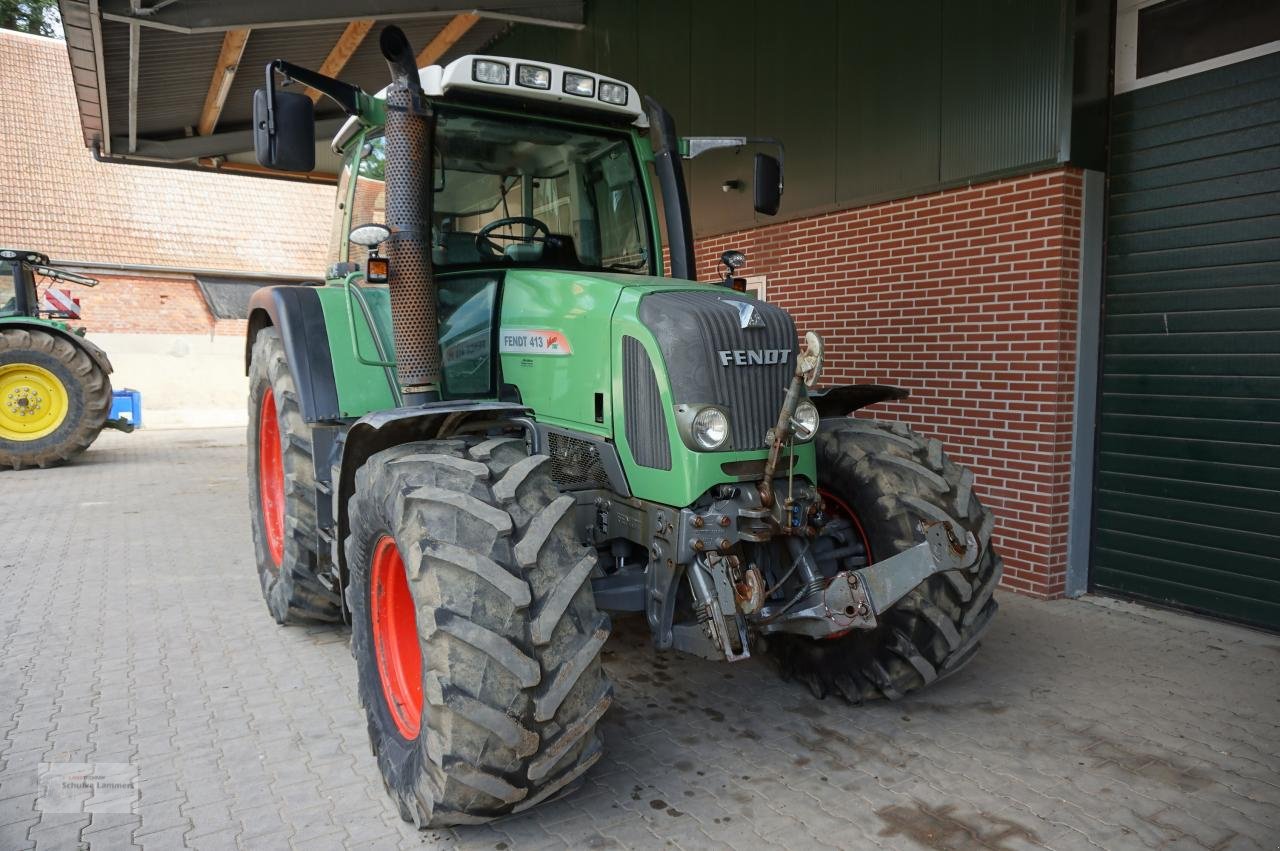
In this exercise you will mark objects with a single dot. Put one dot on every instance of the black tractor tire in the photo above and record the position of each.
(88, 390)
(290, 559)
(506, 625)
(894, 479)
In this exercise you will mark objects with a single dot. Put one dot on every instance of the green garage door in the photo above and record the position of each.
(1188, 501)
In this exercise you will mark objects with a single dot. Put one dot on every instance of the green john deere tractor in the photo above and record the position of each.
(498, 419)
(55, 386)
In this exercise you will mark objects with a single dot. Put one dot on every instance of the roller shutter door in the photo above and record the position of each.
(1188, 500)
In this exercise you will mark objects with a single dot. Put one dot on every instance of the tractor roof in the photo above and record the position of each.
(499, 78)
(24, 255)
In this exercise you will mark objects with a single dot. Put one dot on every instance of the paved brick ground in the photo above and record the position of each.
(133, 632)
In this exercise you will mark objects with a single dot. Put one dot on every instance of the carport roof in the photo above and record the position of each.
(171, 81)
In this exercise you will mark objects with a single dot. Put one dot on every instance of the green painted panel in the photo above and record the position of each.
(1182, 449)
(1226, 209)
(1200, 428)
(1190, 511)
(888, 96)
(873, 100)
(560, 384)
(803, 116)
(1214, 233)
(1188, 501)
(1004, 63)
(692, 473)
(362, 386)
(1202, 320)
(722, 103)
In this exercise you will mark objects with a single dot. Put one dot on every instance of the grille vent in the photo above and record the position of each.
(575, 464)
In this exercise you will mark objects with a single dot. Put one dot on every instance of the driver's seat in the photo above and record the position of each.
(454, 247)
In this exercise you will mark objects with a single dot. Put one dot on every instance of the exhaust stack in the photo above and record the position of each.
(410, 128)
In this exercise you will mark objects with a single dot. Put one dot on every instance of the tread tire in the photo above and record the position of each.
(893, 479)
(88, 397)
(508, 628)
(293, 589)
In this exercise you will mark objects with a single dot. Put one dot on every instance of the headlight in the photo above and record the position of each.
(710, 428)
(488, 71)
(533, 76)
(805, 420)
(614, 93)
(580, 85)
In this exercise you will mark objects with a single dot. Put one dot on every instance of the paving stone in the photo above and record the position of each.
(1084, 724)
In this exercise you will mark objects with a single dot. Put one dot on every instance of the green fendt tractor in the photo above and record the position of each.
(497, 420)
(55, 386)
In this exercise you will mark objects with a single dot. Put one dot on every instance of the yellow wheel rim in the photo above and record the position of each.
(33, 402)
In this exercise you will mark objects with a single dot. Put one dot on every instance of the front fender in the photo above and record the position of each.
(98, 355)
(845, 399)
(296, 311)
(381, 430)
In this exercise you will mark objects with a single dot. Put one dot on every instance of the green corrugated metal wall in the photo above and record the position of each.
(1188, 502)
(873, 100)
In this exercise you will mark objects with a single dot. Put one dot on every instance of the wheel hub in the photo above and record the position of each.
(395, 638)
(271, 476)
(33, 402)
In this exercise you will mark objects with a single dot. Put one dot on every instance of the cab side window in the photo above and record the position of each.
(369, 201)
(338, 233)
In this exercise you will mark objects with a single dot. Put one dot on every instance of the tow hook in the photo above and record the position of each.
(854, 599)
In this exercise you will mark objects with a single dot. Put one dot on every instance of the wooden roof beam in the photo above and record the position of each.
(343, 49)
(224, 71)
(458, 26)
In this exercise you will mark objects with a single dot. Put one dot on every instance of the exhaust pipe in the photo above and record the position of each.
(410, 129)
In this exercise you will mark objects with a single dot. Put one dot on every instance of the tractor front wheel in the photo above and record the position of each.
(475, 632)
(54, 398)
(282, 492)
(884, 480)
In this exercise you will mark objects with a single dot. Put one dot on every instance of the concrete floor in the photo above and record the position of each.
(135, 640)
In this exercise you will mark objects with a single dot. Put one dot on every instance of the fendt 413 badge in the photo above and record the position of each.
(503, 417)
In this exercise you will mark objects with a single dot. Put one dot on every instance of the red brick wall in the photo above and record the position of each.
(968, 298)
(135, 304)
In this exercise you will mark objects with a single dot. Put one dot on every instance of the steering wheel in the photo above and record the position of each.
(486, 236)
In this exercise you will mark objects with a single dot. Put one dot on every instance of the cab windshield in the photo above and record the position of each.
(522, 192)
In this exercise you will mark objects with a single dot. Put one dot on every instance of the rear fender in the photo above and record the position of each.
(98, 355)
(384, 429)
(296, 311)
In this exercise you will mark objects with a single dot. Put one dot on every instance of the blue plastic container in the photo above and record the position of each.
(127, 404)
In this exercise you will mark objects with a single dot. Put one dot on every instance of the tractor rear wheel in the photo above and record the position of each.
(884, 479)
(476, 636)
(54, 398)
(282, 492)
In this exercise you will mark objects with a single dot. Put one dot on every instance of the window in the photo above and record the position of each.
(574, 194)
(466, 334)
(338, 236)
(8, 292)
(1160, 40)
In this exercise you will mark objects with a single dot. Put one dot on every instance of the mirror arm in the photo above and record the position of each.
(692, 146)
(345, 95)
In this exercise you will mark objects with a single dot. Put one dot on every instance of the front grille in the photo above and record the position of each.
(693, 327)
(642, 405)
(575, 463)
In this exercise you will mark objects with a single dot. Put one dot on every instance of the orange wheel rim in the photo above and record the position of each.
(271, 476)
(395, 638)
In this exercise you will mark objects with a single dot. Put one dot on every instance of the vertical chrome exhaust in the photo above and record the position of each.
(410, 130)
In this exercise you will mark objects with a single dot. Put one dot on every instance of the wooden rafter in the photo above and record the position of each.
(220, 84)
(343, 49)
(457, 27)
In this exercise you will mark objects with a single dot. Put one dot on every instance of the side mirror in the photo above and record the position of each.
(768, 188)
(284, 130)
